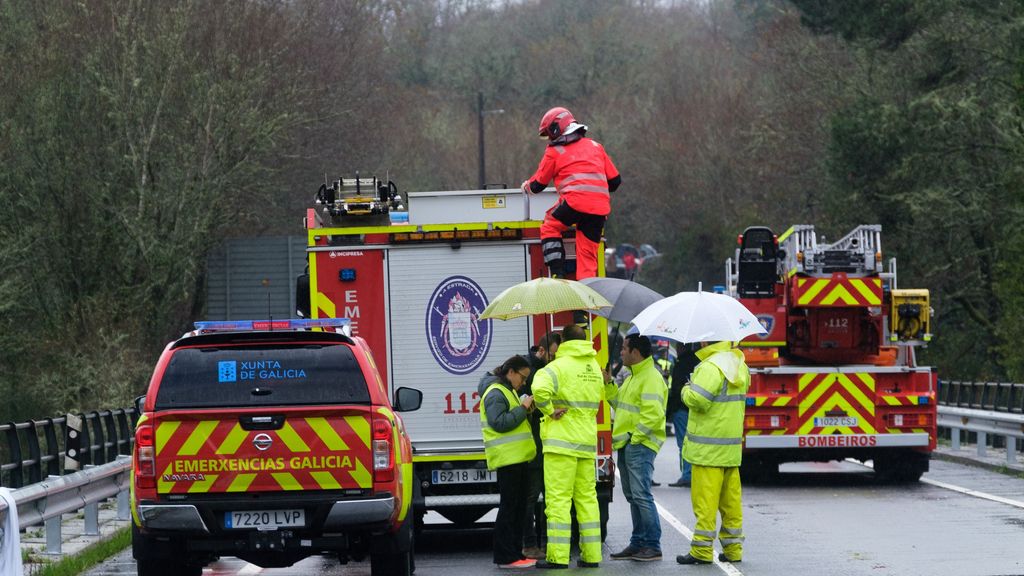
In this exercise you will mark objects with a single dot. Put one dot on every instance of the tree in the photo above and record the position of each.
(930, 146)
(134, 139)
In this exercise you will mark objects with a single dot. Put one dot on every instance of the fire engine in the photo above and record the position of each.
(835, 376)
(414, 290)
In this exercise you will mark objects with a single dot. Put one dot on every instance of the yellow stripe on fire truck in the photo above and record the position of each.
(839, 291)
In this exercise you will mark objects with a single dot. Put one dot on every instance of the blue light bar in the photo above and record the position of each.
(245, 325)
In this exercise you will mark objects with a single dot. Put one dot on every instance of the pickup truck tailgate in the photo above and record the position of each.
(264, 451)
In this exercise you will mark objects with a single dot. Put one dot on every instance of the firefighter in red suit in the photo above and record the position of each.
(584, 177)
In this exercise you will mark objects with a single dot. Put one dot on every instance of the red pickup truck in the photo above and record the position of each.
(271, 442)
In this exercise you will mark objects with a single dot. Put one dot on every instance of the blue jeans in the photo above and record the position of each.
(636, 463)
(679, 420)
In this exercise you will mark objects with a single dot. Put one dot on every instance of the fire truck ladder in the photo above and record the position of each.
(858, 252)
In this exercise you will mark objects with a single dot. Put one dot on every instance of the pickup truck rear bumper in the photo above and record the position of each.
(343, 514)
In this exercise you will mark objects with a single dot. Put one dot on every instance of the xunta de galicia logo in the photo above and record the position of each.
(458, 338)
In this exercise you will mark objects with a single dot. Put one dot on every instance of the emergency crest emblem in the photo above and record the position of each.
(458, 338)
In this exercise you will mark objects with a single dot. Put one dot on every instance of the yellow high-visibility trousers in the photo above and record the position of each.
(570, 480)
(715, 490)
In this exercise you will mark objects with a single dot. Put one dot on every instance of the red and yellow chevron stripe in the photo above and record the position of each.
(306, 453)
(839, 290)
(852, 394)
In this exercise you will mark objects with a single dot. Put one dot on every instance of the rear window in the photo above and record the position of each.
(272, 375)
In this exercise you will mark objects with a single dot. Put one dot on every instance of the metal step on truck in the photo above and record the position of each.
(414, 290)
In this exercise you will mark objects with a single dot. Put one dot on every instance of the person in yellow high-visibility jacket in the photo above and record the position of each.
(569, 391)
(716, 396)
(637, 436)
(509, 447)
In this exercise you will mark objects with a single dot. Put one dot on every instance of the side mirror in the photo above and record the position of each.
(407, 399)
(139, 403)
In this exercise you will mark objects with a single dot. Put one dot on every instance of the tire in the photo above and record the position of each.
(156, 558)
(394, 563)
(901, 467)
(395, 554)
(400, 564)
(759, 470)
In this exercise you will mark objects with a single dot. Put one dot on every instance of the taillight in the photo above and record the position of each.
(762, 421)
(145, 457)
(383, 462)
(909, 420)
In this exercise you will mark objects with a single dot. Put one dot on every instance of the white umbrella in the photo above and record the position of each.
(698, 317)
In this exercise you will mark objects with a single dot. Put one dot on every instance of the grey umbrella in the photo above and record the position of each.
(627, 297)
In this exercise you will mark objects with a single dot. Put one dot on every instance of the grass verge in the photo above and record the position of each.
(88, 557)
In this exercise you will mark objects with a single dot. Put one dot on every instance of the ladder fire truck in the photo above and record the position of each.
(414, 289)
(835, 376)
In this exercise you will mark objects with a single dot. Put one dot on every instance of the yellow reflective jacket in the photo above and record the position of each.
(507, 436)
(573, 380)
(716, 396)
(640, 407)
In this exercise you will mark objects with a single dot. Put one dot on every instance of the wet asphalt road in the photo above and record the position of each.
(819, 519)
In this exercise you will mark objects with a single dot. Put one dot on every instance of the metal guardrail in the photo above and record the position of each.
(983, 423)
(985, 409)
(44, 502)
(31, 451)
(992, 396)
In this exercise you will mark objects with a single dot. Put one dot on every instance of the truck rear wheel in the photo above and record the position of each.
(399, 563)
(900, 467)
(395, 554)
(759, 470)
(159, 558)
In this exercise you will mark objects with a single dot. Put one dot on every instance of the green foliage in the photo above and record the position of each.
(930, 146)
(124, 154)
(91, 556)
(887, 22)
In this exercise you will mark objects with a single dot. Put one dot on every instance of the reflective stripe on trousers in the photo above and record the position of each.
(715, 489)
(569, 480)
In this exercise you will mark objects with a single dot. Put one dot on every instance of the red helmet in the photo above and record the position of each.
(555, 122)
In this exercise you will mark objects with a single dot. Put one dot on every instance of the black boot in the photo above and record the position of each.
(556, 268)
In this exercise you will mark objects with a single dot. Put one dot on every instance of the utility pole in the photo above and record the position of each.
(480, 113)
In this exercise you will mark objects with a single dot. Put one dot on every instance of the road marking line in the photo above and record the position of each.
(960, 489)
(975, 493)
(250, 570)
(727, 567)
